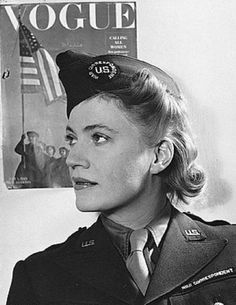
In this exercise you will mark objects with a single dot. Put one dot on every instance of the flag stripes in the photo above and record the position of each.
(54, 73)
(38, 70)
(30, 81)
(25, 70)
(45, 78)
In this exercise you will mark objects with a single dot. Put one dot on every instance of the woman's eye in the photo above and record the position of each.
(70, 140)
(99, 139)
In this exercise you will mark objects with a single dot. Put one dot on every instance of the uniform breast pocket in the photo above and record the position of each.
(212, 293)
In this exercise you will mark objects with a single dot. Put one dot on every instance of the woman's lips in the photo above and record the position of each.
(82, 183)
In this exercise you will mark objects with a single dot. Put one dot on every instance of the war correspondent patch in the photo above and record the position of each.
(102, 70)
(208, 277)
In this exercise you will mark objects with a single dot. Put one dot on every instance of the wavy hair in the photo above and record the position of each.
(160, 115)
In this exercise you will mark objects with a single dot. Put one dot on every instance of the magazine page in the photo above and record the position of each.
(33, 99)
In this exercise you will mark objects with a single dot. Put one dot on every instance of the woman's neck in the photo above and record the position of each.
(139, 216)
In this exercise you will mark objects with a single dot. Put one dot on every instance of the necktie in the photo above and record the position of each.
(136, 263)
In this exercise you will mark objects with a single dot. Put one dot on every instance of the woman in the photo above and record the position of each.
(131, 158)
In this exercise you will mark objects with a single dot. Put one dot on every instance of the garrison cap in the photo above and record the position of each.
(83, 75)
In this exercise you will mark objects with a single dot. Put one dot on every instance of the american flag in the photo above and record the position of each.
(38, 70)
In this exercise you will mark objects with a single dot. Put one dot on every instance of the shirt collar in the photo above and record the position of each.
(120, 234)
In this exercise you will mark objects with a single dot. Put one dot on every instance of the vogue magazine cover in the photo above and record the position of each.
(33, 99)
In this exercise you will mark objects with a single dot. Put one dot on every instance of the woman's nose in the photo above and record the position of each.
(77, 157)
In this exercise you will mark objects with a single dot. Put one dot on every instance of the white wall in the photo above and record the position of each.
(195, 42)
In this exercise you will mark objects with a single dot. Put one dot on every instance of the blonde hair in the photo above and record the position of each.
(160, 114)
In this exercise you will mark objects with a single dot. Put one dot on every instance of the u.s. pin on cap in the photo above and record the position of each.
(84, 76)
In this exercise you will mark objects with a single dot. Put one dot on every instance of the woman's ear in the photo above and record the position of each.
(163, 155)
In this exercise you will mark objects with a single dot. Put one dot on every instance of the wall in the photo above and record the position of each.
(195, 42)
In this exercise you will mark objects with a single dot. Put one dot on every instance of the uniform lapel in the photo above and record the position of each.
(95, 260)
(186, 250)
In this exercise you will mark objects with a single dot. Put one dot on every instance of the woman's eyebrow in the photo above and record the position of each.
(100, 126)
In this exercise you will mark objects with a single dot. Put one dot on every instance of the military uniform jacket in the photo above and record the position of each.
(196, 266)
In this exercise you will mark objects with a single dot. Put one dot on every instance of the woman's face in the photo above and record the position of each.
(108, 160)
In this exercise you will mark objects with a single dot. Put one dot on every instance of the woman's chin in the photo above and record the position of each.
(84, 206)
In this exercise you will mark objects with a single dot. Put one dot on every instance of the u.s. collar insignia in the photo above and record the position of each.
(192, 232)
(194, 235)
(88, 243)
(102, 70)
